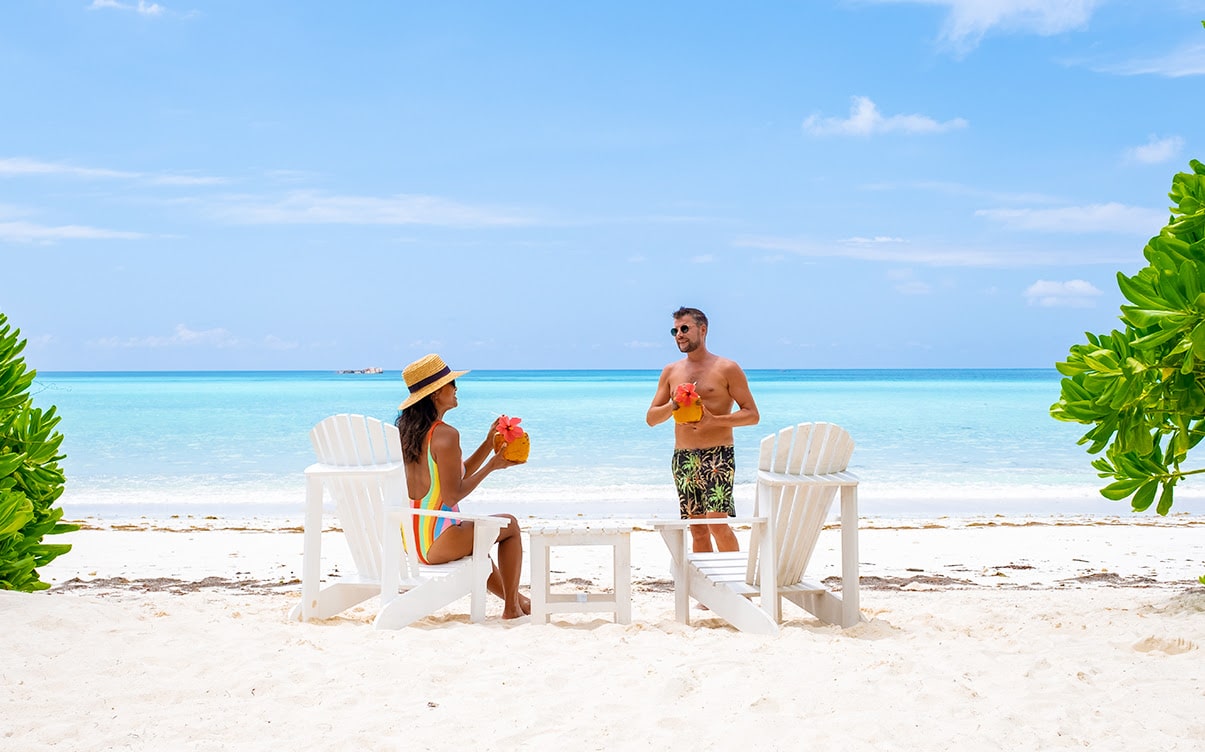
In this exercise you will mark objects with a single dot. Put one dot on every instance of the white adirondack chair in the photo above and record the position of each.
(800, 470)
(360, 467)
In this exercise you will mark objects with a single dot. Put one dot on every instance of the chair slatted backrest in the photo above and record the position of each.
(362, 458)
(809, 451)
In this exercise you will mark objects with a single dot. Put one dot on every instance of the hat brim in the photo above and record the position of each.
(431, 388)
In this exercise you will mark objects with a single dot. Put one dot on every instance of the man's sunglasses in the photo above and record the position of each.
(684, 329)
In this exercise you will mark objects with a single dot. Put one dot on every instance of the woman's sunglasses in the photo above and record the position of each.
(684, 329)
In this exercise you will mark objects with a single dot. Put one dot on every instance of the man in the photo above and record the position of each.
(704, 461)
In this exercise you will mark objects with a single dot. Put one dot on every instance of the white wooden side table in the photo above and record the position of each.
(544, 602)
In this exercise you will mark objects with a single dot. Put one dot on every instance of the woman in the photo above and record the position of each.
(438, 478)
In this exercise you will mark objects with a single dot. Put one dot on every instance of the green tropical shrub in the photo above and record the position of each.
(1143, 389)
(30, 478)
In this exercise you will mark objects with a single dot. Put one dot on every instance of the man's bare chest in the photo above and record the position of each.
(707, 384)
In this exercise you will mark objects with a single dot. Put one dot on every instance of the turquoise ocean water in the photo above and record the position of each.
(234, 444)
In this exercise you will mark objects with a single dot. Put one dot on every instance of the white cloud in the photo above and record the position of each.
(967, 21)
(1075, 293)
(309, 207)
(1185, 61)
(1156, 150)
(865, 120)
(895, 253)
(182, 336)
(8, 211)
(290, 176)
(906, 282)
(20, 166)
(426, 345)
(23, 167)
(677, 219)
(935, 255)
(272, 342)
(28, 232)
(872, 241)
(1110, 217)
(706, 258)
(142, 7)
(961, 189)
(187, 180)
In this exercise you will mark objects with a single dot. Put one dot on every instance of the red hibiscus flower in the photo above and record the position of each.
(685, 394)
(509, 428)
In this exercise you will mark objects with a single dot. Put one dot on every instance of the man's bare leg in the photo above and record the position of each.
(701, 537)
(725, 539)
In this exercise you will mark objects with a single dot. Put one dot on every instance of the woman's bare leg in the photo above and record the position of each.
(509, 569)
(457, 542)
(494, 584)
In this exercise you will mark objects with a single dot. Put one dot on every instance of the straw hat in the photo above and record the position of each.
(424, 376)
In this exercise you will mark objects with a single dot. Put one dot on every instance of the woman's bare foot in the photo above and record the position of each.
(515, 612)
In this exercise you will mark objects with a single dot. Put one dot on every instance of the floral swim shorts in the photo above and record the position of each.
(704, 480)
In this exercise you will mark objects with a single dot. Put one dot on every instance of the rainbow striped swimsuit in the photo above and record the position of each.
(427, 529)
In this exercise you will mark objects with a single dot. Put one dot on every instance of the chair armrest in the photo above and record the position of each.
(671, 524)
(398, 507)
(462, 517)
(771, 478)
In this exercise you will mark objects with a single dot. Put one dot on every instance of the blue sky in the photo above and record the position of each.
(838, 184)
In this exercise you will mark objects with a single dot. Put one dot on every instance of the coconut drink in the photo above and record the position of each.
(690, 404)
(517, 441)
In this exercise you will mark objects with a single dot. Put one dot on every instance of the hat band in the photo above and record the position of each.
(421, 384)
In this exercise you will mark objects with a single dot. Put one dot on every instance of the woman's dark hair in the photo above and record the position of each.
(413, 424)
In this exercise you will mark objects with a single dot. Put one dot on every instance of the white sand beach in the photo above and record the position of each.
(989, 633)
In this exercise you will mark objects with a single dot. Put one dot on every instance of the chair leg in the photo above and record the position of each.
(311, 557)
(337, 598)
(483, 538)
(850, 610)
(675, 541)
(539, 579)
(623, 580)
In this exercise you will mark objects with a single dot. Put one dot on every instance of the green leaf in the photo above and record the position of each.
(9, 463)
(1188, 364)
(1198, 341)
(1165, 499)
(1072, 389)
(1191, 279)
(1145, 496)
(1154, 339)
(1102, 361)
(1144, 318)
(1139, 292)
(1121, 489)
